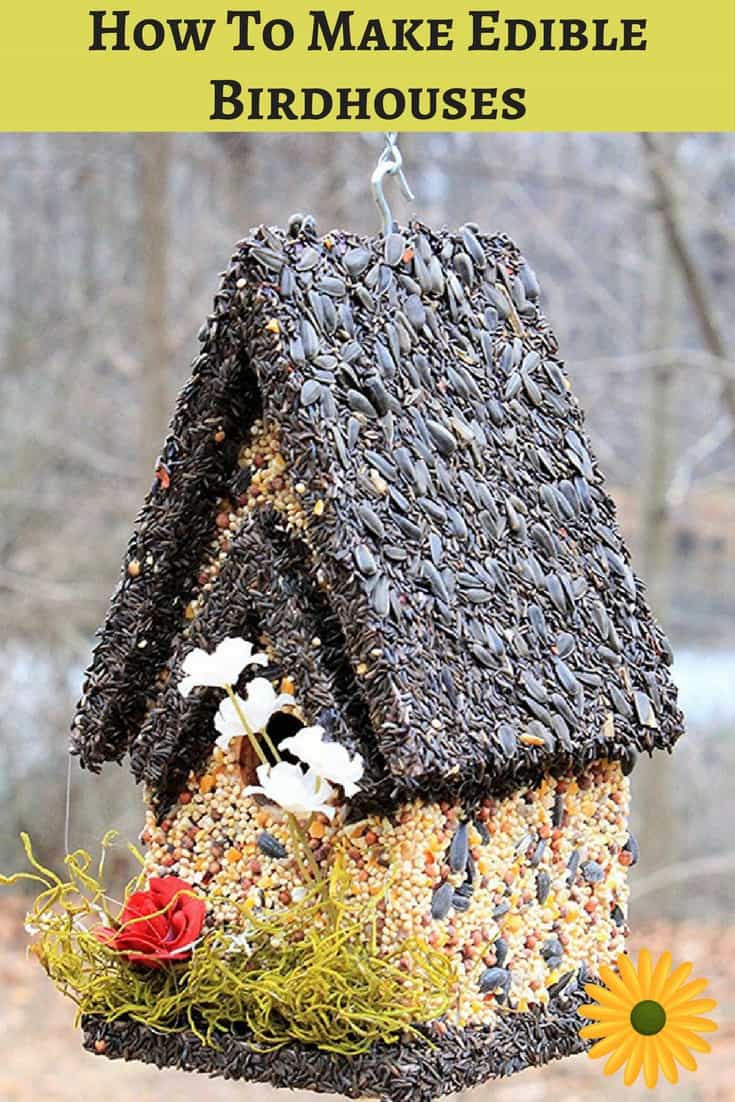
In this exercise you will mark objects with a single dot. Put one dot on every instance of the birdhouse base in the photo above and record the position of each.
(420, 1069)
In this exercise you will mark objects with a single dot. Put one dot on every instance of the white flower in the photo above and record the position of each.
(293, 790)
(222, 667)
(262, 701)
(327, 759)
(228, 723)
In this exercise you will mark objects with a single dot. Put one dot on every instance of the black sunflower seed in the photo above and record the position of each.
(494, 979)
(459, 849)
(441, 901)
(270, 846)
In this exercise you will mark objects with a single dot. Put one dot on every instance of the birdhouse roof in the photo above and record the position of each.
(460, 606)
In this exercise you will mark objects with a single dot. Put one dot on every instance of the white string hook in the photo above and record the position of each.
(390, 163)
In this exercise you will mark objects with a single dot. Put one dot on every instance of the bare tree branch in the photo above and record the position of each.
(707, 445)
(104, 464)
(664, 181)
(36, 589)
(634, 362)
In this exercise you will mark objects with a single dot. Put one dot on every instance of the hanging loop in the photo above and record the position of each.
(389, 164)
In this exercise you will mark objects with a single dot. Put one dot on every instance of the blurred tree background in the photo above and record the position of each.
(110, 248)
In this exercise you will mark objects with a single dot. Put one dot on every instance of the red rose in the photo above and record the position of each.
(158, 924)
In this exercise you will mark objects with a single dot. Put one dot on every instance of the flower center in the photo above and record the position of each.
(648, 1017)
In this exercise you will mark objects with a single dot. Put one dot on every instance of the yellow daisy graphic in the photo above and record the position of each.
(647, 1018)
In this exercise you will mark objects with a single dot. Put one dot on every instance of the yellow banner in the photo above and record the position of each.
(529, 64)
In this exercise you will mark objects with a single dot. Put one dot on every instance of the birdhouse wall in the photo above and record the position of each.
(524, 898)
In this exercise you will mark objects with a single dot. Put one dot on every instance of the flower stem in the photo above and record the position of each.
(246, 726)
(272, 747)
(300, 838)
(297, 832)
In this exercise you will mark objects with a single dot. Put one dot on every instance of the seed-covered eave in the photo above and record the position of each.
(460, 538)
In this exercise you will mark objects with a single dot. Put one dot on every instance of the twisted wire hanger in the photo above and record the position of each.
(390, 163)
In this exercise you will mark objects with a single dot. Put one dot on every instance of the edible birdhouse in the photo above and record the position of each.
(378, 475)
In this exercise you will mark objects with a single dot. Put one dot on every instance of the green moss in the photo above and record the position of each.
(312, 972)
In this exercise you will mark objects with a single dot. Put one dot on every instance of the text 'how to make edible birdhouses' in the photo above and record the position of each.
(529, 66)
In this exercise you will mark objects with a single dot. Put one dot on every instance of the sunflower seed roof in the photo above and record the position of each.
(479, 619)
